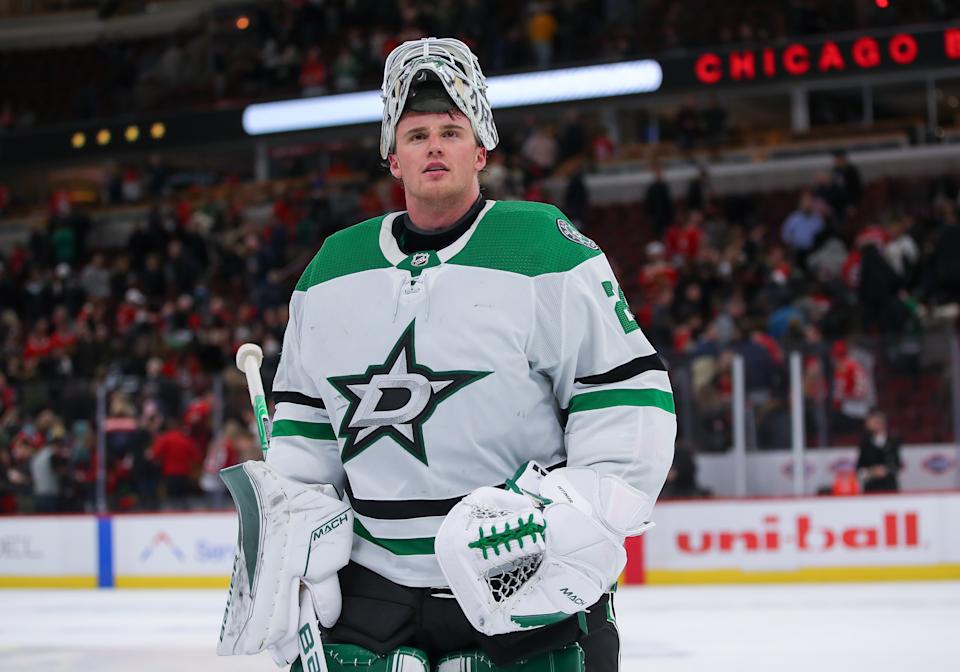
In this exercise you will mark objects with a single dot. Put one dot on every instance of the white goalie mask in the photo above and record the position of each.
(457, 69)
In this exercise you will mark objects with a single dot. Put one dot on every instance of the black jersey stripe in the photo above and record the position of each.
(402, 509)
(625, 371)
(298, 398)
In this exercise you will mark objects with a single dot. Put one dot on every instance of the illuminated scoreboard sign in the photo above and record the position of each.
(798, 60)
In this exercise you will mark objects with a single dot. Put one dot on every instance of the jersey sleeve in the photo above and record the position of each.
(607, 377)
(303, 444)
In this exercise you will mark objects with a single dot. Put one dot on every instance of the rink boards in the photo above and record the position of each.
(864, 538)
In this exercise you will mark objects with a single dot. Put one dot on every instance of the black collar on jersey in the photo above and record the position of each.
(411, 239)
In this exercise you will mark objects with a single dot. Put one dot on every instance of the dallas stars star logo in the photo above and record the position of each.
(395, 398)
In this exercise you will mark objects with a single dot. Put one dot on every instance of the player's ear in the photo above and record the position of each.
(394, 166)
(481, 161)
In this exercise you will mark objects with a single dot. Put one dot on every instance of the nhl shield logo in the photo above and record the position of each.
(570, 232)
(420, 259)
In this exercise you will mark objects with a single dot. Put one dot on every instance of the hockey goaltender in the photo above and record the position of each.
(468, 423)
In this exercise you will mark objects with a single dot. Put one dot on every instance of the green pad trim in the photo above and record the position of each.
(248, 509)
(512, 485)
(568, 659)
(352, 658)
(582, 622)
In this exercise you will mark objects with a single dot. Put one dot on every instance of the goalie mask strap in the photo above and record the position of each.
(423, 64)
(428, 95)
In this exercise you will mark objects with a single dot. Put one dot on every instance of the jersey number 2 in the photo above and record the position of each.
(626, 318)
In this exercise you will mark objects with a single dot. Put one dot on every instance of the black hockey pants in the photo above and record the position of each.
(380, 615)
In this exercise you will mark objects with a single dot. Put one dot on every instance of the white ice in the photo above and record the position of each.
(882, 627)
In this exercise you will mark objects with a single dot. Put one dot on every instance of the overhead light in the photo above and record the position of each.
(78, 140)
(103, 137)
(242, 23)
(132, 134)
(533, 88)
(157, 130)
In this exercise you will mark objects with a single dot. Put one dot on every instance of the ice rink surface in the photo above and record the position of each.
(803, 628)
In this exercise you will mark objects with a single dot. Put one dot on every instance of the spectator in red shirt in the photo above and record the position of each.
(657, 271)
(38, 343)
(224, 451)
(8, 395)
(313, 74)
(853, 390)
(684, 242)
(179, 458)
(603, 147)
(63, 339)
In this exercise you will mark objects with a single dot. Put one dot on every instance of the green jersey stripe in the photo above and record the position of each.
(308, 430)
(589, 401)
(417, 546)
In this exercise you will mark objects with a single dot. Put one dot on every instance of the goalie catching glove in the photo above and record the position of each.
(291, 533)
(517, 561)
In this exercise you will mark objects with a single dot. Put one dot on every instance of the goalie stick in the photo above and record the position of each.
(249, 358)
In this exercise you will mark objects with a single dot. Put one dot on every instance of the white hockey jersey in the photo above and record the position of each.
(411, 380)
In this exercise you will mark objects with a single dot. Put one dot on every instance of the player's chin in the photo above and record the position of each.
(437, 188)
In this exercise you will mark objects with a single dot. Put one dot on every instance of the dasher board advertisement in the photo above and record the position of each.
(173, 550)
(48, 552)
(816, 539)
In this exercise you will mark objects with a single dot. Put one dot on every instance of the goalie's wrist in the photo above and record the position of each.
(615, 505)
